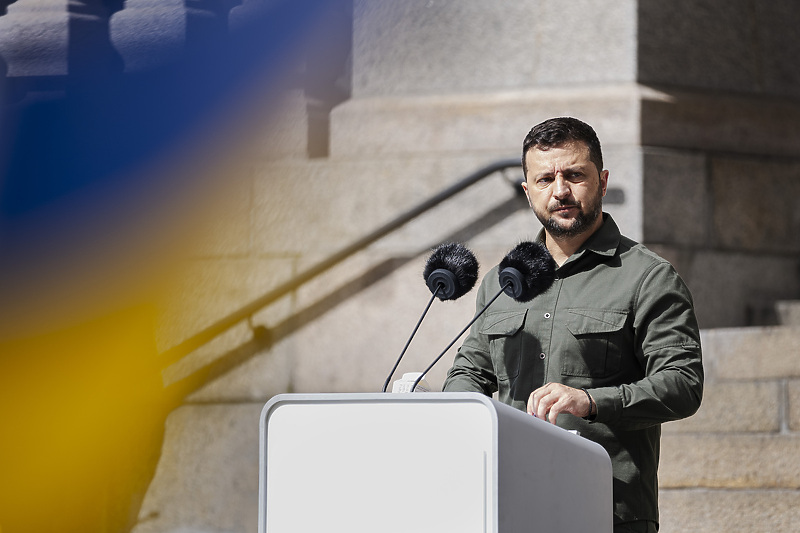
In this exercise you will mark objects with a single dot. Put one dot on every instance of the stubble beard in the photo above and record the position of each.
(583, 221)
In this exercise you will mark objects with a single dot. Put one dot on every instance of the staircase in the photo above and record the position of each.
(735, 464)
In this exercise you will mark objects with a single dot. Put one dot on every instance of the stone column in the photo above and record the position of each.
(154, 33)
(149, 34)
(90, 52)
(34, 37)
(452, 78)
(45, 40)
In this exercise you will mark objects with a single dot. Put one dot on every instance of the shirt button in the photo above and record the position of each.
(542, 355)
(547, 315)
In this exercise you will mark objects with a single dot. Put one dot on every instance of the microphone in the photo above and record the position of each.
(450, 272)
(527, 271)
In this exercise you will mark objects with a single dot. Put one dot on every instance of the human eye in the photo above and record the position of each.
(543, 181)
(576, 175)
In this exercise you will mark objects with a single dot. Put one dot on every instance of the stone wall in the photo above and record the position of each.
(721, 152)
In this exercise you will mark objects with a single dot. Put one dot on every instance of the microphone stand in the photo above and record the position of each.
(509, 283)
(439, 287)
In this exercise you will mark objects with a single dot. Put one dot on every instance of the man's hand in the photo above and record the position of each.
(549, 401)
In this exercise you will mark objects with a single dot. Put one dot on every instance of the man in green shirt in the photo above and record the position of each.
(612, 348)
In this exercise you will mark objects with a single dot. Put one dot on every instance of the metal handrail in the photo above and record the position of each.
(214, 330)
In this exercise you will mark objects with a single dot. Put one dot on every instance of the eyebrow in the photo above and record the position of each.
(577, 167)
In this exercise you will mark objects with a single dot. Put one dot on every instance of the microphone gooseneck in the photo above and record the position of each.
(450, 272)
(527, 271)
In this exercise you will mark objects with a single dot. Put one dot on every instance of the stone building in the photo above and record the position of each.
(234, 145)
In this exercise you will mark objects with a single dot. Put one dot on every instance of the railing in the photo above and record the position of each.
(187, 346)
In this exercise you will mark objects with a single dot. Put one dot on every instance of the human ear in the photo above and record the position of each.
(604, 181)
(525, 188)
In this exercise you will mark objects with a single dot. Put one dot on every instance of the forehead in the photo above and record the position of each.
(567, 155)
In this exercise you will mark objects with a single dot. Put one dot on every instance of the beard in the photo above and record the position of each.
(581, 223)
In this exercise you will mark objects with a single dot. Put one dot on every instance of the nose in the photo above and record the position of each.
(561, 188)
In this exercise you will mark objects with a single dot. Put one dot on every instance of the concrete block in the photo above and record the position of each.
(422, 47)
(209, 290)
(602, 48)
(717, 56)
(755, 222)
(793, 408)
(316, 209)
(735, 45)
(750, 406)
(680, 219)
(788, 312)
(751, 353)
(713, 511)
(242, 374)
(780, 74)
(496, 121)
(222, 225)
(724, 460)
(728, 286)
(207, 478)
(285, 135)
(720, 122)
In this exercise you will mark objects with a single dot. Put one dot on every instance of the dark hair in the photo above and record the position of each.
(556, 132)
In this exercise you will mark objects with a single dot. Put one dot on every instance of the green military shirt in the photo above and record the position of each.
(619, 321)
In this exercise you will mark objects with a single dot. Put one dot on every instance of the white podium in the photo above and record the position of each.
(438, 462)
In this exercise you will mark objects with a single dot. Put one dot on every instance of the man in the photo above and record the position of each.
(612, 348)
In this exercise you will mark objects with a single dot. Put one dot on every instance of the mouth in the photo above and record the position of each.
(563, 208)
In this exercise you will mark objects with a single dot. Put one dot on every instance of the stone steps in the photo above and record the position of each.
(735, 406)
(788, 312)
(751, 353)
(732, 461)
(734, 465)
(720, 510)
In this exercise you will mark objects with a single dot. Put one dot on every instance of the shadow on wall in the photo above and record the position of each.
(100, 182)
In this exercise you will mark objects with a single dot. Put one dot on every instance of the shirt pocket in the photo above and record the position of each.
(505, 341)
(595, 347)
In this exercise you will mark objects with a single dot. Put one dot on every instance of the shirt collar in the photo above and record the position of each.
(604, 241)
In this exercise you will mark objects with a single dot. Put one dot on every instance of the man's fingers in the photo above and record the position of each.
(535, 399)
(558, 406)
(552, 399)
(545, 404)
